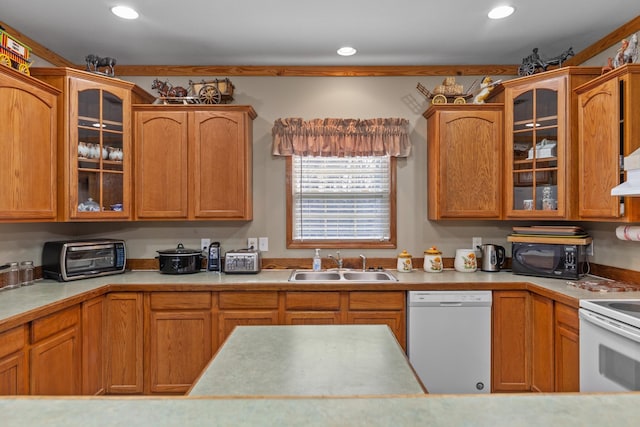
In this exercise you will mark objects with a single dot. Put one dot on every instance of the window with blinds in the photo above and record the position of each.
(341, 198)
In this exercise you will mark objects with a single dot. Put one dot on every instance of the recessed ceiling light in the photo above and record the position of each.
(501, 12)
(347, 51)
(124, 12)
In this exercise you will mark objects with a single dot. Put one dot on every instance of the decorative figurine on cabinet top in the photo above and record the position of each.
(95, 62)
(627, 53)
(534, 62)
(486, 86)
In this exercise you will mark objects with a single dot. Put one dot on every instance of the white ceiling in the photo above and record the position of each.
(302, 32)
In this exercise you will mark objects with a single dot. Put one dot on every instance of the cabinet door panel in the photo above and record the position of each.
(542, 346)
(599, 162)
(28, 146)
(567, 342)
(228, 320)
(313, 318)
(161, 164)
(14, 374)
(510, 370)
(93, 318)
(221, 172)
(180, 348)
(55, 364)
(124, 338)
(396, 320)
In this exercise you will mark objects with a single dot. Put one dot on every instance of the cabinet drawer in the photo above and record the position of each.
(376, 300)
(12, 340)
(239, 300)
(312, 301)
(568, 316)
(54, 323)
(180, 300)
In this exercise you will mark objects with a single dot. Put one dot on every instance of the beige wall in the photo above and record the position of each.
(311, 97)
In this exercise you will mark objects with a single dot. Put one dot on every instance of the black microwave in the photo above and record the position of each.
(81, 259)
(562, 261)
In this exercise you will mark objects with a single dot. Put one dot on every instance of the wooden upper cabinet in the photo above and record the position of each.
(28, 132)
(541, 143)
(94, 144)
(608, 129)
(161, 141)
(464, 161)
(194, 162)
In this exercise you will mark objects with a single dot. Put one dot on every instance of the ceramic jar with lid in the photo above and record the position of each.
(432, 260)
(405, 264)
(465, 261)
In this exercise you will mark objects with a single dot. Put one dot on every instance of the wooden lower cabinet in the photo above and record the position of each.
(246, 308)
(93, 346)
(14, 362)
(510, 369)
(56, 353)
(567, 348)
(312, 308)
(380, 308)
(180, 339)
(535, 344)
(542, 344)
(124, 341)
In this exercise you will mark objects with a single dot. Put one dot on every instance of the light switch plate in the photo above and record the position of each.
(263, 244)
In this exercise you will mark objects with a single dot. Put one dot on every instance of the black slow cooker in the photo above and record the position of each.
(180, 260)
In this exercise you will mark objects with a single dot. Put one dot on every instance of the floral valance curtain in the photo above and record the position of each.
(341, 137)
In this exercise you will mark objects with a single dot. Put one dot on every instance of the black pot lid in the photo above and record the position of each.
(180, 250)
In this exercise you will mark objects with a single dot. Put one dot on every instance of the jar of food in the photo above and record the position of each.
(432, 260)
(405, 264)
(12, 279)
(26, 273)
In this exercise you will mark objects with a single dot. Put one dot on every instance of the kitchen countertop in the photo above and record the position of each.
(29, 302)
(496, 410)
(308, 360)
(570, 409)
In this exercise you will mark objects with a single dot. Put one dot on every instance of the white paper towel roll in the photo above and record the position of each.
(628, 232)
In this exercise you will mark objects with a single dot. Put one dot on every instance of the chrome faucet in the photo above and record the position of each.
(364, 262)
(337, 259)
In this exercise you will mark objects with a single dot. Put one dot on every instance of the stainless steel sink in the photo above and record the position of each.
(341, 276)
(369, 276)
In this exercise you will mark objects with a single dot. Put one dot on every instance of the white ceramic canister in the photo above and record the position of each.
(432, 260)
(405, 264)
(465, 261)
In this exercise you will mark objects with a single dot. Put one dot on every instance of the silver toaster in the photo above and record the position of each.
(242, 261)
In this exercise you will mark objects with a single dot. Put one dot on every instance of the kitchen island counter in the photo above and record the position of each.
(308, 360)
(494, 410)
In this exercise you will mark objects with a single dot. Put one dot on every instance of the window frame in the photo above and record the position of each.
(341, 244)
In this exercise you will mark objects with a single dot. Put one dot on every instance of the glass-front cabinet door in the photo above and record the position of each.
(535, 150)
(99, 152)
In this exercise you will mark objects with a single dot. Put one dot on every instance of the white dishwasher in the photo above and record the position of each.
(449, 340)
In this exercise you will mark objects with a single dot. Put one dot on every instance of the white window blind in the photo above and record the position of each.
(341, 198)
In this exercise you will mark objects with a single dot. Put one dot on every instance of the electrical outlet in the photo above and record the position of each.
(263, 244)
(204, 243)
(252, 243)
(475, 242)
(590, 249)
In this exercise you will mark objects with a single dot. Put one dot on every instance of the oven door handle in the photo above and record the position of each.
(614, 326)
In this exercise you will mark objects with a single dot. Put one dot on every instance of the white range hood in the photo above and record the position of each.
(631, 187)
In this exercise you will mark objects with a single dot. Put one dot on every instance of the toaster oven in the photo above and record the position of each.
(80, 259)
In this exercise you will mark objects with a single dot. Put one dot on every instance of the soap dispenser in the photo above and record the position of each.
(317, 261)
